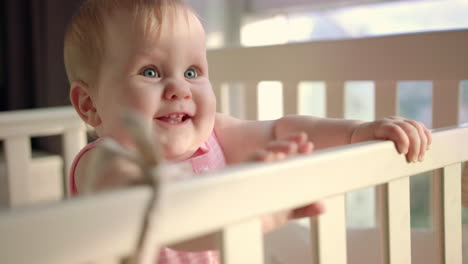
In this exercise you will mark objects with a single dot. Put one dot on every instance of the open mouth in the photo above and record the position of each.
(174, 119)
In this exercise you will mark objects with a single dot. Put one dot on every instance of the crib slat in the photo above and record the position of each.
(251, 100)
(445, 112)
(222, 97)
(386, 104)
(242, 243)
(396, 224)
(18, 159)
(386, 99)
(73, 141)
(328, 233)
(447, 214)
(290, 97)
(335, 99)
(217, 92)
(446, 103)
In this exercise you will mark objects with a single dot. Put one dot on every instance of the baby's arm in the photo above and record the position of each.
(118, 173)
(411, 137)
(240, 137)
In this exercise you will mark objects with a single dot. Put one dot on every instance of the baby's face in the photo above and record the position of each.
(164, 78)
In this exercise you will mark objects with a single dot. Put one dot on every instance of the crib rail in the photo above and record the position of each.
(17, 128)
(39, 122)
(211, 204)
(421, 56)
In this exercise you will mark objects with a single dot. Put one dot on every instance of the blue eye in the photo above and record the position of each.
(190, 74)
(150, 73)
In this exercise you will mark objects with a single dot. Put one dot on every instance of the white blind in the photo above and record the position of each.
(262, 5)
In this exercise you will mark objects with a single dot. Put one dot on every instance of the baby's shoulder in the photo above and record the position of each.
(81, 167)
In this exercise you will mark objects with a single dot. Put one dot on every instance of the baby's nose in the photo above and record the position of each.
(175, 90)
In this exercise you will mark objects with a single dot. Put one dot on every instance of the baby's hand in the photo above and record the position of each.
(411, 138)
(296, 143)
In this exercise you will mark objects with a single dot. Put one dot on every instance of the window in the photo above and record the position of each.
(393, 17)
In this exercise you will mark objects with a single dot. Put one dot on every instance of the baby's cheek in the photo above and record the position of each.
(144, 106)
(205, 125)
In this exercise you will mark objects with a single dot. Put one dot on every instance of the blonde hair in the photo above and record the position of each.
(84, 44)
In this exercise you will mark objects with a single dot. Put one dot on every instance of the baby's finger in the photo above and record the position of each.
(273, 221)
(310, 210)
(414, 141)
(422, 137)
(298, 137)
(429, 136)
(396, 134)
(427, 131)
(282, 146)
(275, 150)
(301, 139)
(261, 155)
(305, 148)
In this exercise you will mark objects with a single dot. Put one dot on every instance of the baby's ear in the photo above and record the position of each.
(83, 103)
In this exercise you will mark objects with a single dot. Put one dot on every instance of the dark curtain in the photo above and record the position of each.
(32, 68)
(17, 56)
(32, 72)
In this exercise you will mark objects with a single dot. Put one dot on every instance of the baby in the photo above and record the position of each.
(150, 56)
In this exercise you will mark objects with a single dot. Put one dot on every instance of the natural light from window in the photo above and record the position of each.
(393, 17)
(353, 22)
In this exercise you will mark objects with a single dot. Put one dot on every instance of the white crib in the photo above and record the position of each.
(229, 202)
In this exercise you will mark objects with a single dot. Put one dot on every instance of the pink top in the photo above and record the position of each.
(208, 157)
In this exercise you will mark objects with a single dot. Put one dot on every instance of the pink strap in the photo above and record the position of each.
(73, 189)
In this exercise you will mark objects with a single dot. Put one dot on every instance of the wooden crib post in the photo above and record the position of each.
(446, 103)
(242, 243)
(335, 99)
(290, 97)
(386, 104)
(251, 100)
(446, 183)
(395, 223)
(18, 159)
(386, 99)
(222, 97)
(447, 214)
(328, 233)
(392, 201)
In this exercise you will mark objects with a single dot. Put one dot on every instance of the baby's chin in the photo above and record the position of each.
(122, 139)
(178, 153)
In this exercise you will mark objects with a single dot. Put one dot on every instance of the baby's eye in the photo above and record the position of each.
(150, 73)
(191, 73)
